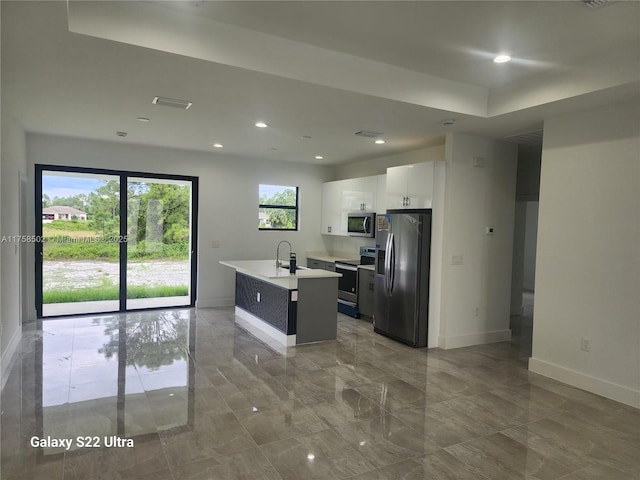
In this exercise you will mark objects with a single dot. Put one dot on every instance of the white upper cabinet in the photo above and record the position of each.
(344, 196)
(359, 194)
(331, 208)
(410, 186)
(381, 193)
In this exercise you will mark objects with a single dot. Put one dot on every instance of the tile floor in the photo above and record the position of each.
(203, 399)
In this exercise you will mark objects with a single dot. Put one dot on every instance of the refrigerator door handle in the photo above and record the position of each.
(392, 262)
(387, 265)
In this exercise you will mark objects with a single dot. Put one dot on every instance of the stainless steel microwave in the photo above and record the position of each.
(361, 224)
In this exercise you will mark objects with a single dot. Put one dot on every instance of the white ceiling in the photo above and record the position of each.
(322, 69)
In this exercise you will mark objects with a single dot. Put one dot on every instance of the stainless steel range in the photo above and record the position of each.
(348, 283)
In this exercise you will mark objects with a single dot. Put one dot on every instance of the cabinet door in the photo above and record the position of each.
(313, 263)
(369, 188)
(396, 187)
(359, 194)
(420, 185)
(410, 186)
(331, 208)
(381, 194)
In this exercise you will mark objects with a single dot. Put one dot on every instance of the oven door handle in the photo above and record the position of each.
(342, 266)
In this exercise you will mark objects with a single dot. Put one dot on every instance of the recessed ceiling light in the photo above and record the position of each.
(144, 119)
(272, 148)
(261, 125)
(502, 59)
(121, 134)
(447, 122)
(380, 141)
(311, 456)
(318, 157)
(306, 137)
(218, 145)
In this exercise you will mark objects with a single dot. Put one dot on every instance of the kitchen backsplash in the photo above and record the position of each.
(346, 244)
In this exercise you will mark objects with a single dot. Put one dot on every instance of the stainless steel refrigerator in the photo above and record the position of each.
(401, 286)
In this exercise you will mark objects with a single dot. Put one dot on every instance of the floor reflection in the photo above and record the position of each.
(203, 398)
(123, 375)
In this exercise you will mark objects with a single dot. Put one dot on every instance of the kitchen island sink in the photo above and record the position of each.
(292, 308)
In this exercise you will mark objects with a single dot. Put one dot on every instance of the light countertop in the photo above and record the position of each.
(266, 270)
(336, 257)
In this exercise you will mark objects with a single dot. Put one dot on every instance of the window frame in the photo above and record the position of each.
(281, 207)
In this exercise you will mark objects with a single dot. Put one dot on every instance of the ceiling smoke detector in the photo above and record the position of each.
(172, 102)
(367, 134)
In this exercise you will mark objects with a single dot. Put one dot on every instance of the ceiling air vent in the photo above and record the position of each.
(367, 134)
(595, 3)
(171, 102)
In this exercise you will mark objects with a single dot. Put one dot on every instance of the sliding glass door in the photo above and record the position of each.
(158, 242)
(113, 241)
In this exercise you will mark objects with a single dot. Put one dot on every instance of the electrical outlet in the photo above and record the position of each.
(585, 344)
(215, 244)
(457, 259)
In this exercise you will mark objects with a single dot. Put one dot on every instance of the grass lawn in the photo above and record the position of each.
(89, 294)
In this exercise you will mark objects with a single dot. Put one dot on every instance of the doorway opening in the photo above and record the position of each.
(524, 248)
(113, 241)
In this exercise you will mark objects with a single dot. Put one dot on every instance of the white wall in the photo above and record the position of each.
(13, 165)
(588, 260)
(475, 296)
(228, 200)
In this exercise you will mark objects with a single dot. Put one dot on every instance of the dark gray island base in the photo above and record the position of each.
(292, 309)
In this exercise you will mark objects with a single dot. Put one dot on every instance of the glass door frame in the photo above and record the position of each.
(123, 176)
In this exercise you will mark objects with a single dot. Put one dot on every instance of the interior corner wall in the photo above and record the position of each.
(228, 199)
(12, 166)
(588, 253)
(379, 165)
(476, 298)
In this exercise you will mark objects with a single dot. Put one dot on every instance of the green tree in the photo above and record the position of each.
(281, 218)
(103, 208)
(159, 211)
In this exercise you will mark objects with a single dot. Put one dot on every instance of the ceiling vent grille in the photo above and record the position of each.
(595, 3)
(529, 138)
(367, 134)
(172, 102)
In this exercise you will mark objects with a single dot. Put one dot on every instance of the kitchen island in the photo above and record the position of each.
(291, 308)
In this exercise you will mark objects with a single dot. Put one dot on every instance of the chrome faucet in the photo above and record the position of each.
(278, 252)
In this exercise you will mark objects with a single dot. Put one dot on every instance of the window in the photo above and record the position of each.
(278, 209)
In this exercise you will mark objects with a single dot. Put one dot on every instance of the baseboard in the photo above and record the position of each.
(607, 389)
(215, 302)
(265, 332)
(8, 356)
(480, 338)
